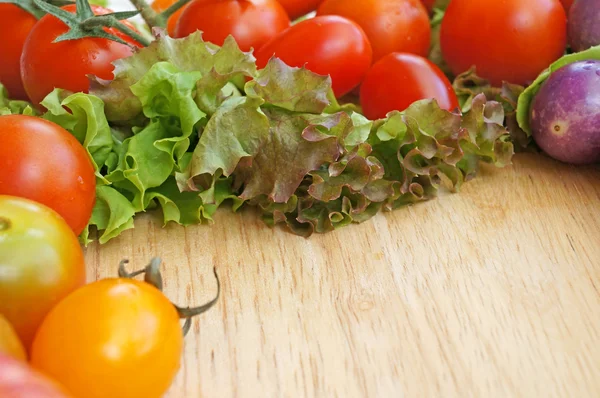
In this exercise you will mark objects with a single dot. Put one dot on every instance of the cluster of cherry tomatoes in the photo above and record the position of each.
(122, 329)
(379, 48)
(374, 48)
(62, 338)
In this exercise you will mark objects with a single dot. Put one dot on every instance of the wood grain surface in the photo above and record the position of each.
(492, 292)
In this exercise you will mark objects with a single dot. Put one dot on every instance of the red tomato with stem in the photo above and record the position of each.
(41, 262)
(251, 22)
(509, 40)
(14, 28)
(390, 25)
(398, 80)
(41, 161)
(299, 8)
(162, 5)
(327, 45)
(46, 65)
(123, 329)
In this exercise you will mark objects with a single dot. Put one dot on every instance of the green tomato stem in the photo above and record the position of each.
(148, 14)
(113, 23)
(173, 9)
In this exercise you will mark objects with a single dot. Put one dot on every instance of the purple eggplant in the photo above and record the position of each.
(584, 25)
(565, 113)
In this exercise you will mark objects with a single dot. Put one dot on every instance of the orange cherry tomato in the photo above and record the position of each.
(508, 40)
(41, 262)
(390, 25)
(9, 341)
(162, 5)
(14, 29)
(398, 80)
(41, 161)
(125, 330)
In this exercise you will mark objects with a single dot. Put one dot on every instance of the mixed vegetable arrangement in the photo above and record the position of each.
(318, 120)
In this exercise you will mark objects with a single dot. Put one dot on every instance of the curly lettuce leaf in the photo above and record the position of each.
(236, 130)
(293, 89)
(468, 85)
(85, 120)
(112, 214)
(190, 54)
(13, 107)
(187, 126)
(297, 144)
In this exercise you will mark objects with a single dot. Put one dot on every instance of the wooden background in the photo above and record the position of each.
(492, 292)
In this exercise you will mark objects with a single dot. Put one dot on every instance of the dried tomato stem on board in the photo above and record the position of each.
(153, 276)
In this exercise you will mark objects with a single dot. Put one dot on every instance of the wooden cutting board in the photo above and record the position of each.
(492, 292)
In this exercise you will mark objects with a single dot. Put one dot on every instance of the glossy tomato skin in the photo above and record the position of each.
(327, 45)
(398, 80)
(513, 40)
(46, 65)
(162, 5)
(15, 24)
(41, 262)
(251, 22)
(299, 8)
(390, 25)
(18, 380)
(10, 344)
(41, 161)
(125, 330)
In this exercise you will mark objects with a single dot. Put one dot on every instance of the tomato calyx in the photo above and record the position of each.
(153, 276)
(84, 23)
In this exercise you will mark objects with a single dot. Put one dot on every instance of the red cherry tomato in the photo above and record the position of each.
(298, 8)
(15, 25)
(251, 22)
(390, 25)
(46, 65)
(41, 161)
(328, 45)
(509, 40)
(398, 80)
